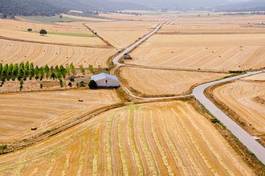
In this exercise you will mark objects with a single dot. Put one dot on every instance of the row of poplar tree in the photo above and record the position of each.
(25, 71)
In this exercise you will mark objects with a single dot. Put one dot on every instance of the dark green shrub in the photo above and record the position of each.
(43, 32)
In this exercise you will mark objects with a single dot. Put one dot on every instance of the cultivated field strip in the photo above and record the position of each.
(133, 140)
(246, 98)
(45, 109)
(164, 82)
(41, 54)
(202, 52)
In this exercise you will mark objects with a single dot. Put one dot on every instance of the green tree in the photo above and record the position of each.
(20, 74)
(72, 68)
(9, 72)
(91, 69)
(36, 72)
(43, 32)
(15, 72)
(41, 73)
(82, 70)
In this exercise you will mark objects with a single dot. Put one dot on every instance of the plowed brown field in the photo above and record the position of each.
(164, 82)
(41, 54)
(247, 100)
(219, 52)
(20, 112)
(134, 140)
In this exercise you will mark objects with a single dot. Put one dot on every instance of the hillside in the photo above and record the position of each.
(52, 7)
(255, 5)
(88, 5)
(28, 7)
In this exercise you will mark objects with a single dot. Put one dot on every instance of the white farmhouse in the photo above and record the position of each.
(104, 80)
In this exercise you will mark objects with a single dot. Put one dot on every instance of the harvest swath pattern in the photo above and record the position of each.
(247, 100)
(121, 33)
(164, 82)
(217, 52)
(42, 54)
(20, 112)
(134, 140)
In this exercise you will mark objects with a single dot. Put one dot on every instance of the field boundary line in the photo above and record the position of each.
(53, 43)
(98, 36)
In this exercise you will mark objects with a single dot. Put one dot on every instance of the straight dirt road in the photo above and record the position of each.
(130, 48)
(244, 137)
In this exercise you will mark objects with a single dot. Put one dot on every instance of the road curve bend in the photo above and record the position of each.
(244, 137)
(198, 92)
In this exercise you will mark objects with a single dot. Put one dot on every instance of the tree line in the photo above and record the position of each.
(24, 71)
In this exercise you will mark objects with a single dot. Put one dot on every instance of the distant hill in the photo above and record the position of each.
(89, 5)
(51, 7)
(254, 5)
(28, 7)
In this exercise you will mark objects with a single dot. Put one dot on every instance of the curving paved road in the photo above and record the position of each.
(243, 136)
(198, 92)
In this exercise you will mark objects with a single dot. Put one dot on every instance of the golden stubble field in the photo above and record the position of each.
(217, 43)
(67, 42)
(75, 34)
(134, 140)
(122, 33)
(216, 52)
(155, 82)
(19, 112)
(246, 99)
(214, 24)
(41, 54)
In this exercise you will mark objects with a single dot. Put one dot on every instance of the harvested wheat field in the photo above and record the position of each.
(155, 82)
(20, 112)
(216, 52)
(214, 24)
(134, 140)
(246, 98)
(121, 33)
(41, 54)
(73, 34)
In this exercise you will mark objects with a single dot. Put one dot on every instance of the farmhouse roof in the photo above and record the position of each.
(104, 76)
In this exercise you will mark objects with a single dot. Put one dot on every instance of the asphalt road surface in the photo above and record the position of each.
(244, 137)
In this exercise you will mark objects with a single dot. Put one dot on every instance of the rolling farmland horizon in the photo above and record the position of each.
(132, 92)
